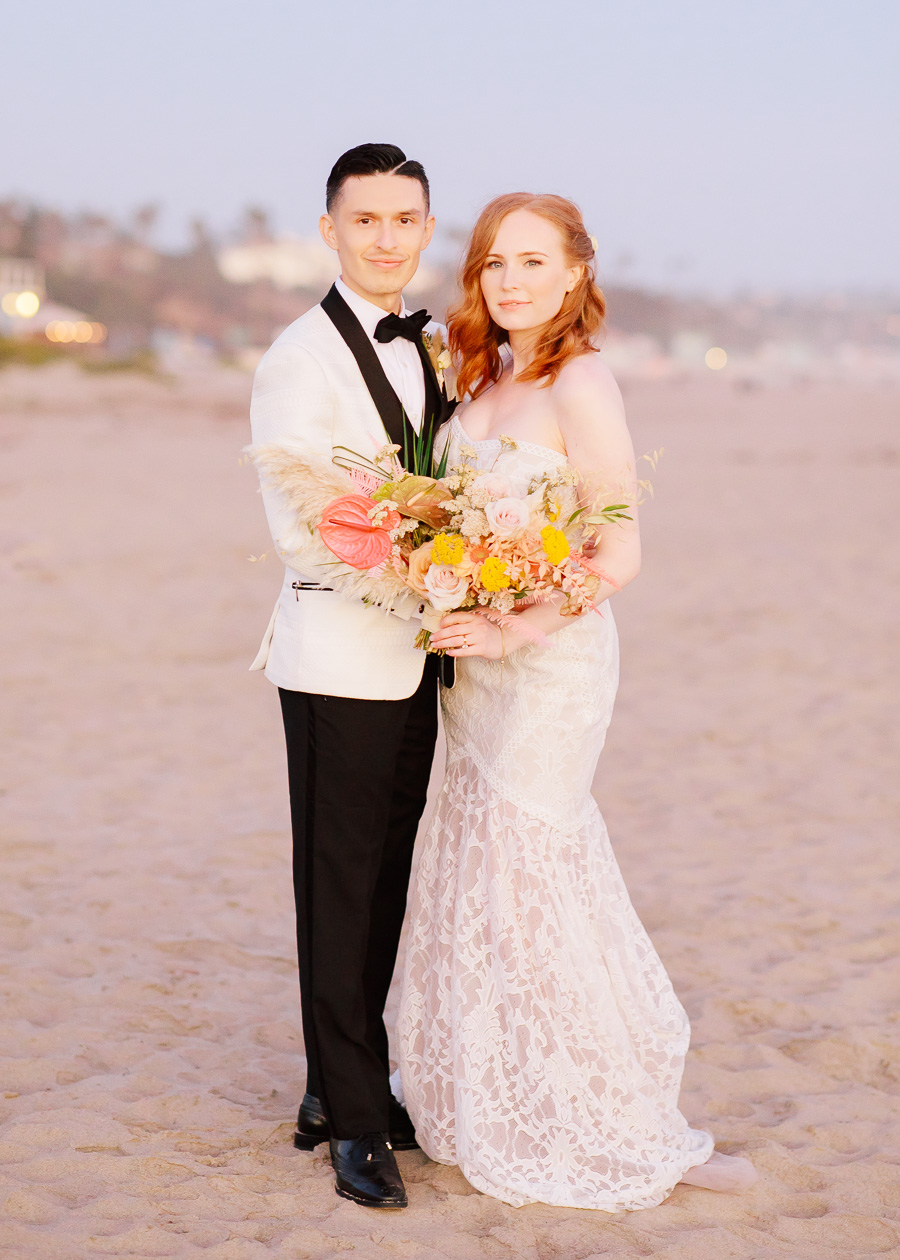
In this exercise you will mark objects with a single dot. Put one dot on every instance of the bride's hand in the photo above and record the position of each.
(468, 634)
(471, 634)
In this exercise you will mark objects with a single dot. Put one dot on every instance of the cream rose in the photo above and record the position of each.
(492, 485)
(446, 589)
(508, 516)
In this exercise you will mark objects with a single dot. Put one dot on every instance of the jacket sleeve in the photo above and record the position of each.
(292, 405)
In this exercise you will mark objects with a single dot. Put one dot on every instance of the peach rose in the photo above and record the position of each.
(419, 564)
(446, 589)
(508, 516)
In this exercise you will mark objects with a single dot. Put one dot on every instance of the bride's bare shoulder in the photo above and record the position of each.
(586, 373)
(586, 390)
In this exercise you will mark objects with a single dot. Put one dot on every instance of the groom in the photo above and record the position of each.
(358, 700)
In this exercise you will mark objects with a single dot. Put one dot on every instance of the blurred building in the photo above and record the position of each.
(22, 291)
(295, 262)
(26, 312)
(290, 262)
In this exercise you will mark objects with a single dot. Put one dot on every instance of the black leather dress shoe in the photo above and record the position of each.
(401, 1132)
(312, 1126)
(366, 1171)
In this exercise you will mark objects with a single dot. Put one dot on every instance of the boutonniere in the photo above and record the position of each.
(439, 354)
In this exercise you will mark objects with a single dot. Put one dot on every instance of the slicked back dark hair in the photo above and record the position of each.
(373, 159)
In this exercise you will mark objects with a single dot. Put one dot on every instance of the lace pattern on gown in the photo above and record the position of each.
(542, 1045)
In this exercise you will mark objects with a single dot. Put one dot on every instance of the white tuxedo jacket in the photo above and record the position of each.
(309, 394)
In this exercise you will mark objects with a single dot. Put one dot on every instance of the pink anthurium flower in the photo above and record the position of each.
(347, 530)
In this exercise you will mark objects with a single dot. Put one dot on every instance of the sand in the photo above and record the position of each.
(151, 1058)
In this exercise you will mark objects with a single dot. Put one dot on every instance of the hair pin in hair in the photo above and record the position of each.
(593, 241)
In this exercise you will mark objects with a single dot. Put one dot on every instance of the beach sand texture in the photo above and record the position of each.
(151, 1058)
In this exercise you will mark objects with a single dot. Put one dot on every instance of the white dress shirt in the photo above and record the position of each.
(399, 358)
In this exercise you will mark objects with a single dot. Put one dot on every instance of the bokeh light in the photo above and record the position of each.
(27, 304)
(8, 304)
(63, 331)
(715, 358)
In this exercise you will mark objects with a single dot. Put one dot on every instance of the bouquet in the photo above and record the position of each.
(461, 538)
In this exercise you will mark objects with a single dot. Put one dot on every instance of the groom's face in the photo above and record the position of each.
(379, 226)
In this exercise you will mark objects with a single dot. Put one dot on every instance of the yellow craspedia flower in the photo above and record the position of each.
(556, 545)
(495, 574)
(447, 549)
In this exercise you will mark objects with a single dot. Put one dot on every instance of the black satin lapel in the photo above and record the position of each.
(432, 385)
(389, 406)
(433, 413)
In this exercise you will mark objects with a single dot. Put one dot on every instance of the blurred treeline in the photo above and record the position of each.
(115, 273)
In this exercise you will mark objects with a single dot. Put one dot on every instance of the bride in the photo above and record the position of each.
(541, 1043)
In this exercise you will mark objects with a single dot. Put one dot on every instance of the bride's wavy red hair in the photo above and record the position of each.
(475, 338)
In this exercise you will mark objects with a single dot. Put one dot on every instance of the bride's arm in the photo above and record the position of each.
(591, 420)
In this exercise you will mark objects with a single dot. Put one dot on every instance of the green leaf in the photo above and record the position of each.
(441, 466)
(422, 498)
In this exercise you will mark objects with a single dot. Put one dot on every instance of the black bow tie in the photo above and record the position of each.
(408, 326)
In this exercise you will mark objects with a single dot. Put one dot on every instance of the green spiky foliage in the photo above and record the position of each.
(418, 456)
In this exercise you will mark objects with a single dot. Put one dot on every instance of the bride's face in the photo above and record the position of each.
(526, 276)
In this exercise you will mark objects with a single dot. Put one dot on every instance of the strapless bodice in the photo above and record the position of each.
(518, 463)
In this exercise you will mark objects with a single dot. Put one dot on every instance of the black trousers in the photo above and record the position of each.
(358, 773)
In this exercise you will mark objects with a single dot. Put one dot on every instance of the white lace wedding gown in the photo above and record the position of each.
(541, 1043)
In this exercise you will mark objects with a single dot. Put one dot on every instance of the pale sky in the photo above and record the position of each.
(750, 144)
